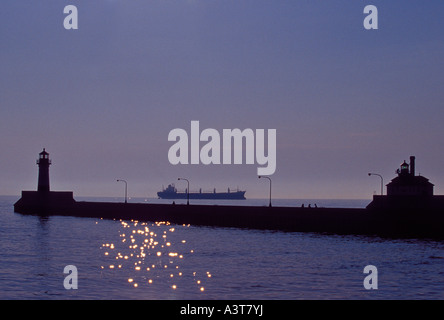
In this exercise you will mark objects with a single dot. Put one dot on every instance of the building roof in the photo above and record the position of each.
(409, 180)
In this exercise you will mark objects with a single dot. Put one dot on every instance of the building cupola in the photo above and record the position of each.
(404, 169)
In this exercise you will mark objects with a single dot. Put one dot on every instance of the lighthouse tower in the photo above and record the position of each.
(43, 162)
(43, 201)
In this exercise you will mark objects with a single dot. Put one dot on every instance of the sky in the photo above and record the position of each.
(102, 99)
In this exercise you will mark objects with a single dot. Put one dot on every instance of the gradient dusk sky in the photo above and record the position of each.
(102, 99)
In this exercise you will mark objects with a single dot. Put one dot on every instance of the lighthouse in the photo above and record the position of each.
(43, 162)
(44, 201)
(408, 184)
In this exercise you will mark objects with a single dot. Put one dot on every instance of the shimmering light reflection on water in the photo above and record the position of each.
(152, 253)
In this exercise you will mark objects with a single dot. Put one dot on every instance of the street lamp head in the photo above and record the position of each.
(369, 174)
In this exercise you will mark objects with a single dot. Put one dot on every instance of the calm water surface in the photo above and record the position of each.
(130, 260)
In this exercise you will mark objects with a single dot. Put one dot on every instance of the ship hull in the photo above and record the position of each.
(239, 195)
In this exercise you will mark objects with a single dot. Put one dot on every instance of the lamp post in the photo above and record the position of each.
(270, 187)
(126, 189)
(188, 189)
(382, 181)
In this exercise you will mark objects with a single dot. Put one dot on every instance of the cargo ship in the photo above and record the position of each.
(171, 193)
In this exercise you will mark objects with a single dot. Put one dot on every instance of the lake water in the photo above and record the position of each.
(134, 260)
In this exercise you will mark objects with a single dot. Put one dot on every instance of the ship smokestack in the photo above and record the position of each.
(412, 166)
